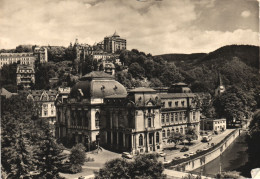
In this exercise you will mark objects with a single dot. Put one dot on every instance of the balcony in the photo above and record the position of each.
(150, 129)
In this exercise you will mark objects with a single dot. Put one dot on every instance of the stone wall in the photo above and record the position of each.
(209, 156)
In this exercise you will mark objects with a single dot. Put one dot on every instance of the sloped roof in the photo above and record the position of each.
(176, 95)
(96, 75)
(141, 89)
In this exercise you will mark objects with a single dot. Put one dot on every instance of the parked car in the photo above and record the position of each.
(186, 155)
(191, 153)
(205, 148)
(206, 138)
(127, 155)
(162, 154)
(198, 151)
(177, 158)
(184, 149)
(166, 162)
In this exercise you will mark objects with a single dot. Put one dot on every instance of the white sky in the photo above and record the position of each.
(152, 26)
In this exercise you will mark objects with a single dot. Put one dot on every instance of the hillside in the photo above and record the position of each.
(237, 64)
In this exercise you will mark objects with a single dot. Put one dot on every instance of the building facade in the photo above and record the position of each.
(132, 122)
(45, 103)
(114, 43)
(25, 76)
(213, 124)
(100, 109)
(78, 117)
(22, 58)
(41, 54)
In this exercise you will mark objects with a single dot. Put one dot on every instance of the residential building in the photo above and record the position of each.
(21, 58)
(113, 43)
(44, 101)
(213, 124)
(25, 76)
(78, 117)
(41, 54)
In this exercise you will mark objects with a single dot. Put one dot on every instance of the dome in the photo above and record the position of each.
(97, 85)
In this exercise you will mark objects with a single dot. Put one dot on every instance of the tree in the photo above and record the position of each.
(235, 104)
(176, 137)
(49, 153)
(77, 158)
(170, 74)
(16, 156)
(253, 142)
(136, 70)
(155, 82)
(144, 166)
(191, 135)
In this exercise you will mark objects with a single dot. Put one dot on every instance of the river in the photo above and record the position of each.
(233, 158)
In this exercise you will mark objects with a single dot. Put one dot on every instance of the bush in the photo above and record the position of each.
(75, 168)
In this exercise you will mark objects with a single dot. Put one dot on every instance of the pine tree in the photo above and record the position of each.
(49, 154)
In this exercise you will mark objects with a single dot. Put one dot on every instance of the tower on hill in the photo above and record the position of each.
(220, 88)
(113, 43)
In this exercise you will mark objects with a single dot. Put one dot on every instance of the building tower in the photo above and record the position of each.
(114, 43)
(220, 88)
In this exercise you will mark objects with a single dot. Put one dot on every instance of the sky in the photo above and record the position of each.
(151, 26)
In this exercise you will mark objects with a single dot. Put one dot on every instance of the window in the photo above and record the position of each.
(177, 130)
(172, 117)
(180, 117)
(182, 130)
(51, 112)
(97, 119)
(163, 104)
(45, 113)
(173, 130)
(149, 122)
(141, 143)
(168, 133)
(167, 117)
(176, 116)
(176, 103)
(163, 133)
(170, 104)
(182, 103)
(194, 116)
(157, 137)
(163, 120)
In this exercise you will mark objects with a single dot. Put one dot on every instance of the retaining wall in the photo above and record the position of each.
(207, 157)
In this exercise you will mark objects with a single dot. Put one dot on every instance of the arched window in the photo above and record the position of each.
(97, 119)
(163, 133)
(157, 137)
(149, 122)
(141, 143)
(168, 133)
(177, 130)
(173, 130)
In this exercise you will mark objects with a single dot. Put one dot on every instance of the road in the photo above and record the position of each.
(198, 145)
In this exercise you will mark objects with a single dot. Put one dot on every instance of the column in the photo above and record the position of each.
(147, 142)
(154, 141)
(124, 139)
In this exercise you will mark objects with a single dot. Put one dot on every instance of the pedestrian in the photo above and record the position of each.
(164, 158)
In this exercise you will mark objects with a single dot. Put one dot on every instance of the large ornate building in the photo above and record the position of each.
(137, 121)
(78, 118)
(113, 43)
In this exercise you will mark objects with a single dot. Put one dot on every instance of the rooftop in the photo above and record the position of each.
(96, 74)
(141, 89)
(176, 95)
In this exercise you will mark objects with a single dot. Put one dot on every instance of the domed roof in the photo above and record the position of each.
(97, 85)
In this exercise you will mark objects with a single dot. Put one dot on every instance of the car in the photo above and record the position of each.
(177, 158)
(205, 148)
(186, 155)
(198, 151)
(166, 162)
(184, 149)
(162, 154)
(191, 153)
(127, 155)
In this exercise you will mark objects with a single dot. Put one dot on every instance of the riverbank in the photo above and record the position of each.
(234, 158)
(199, 160)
